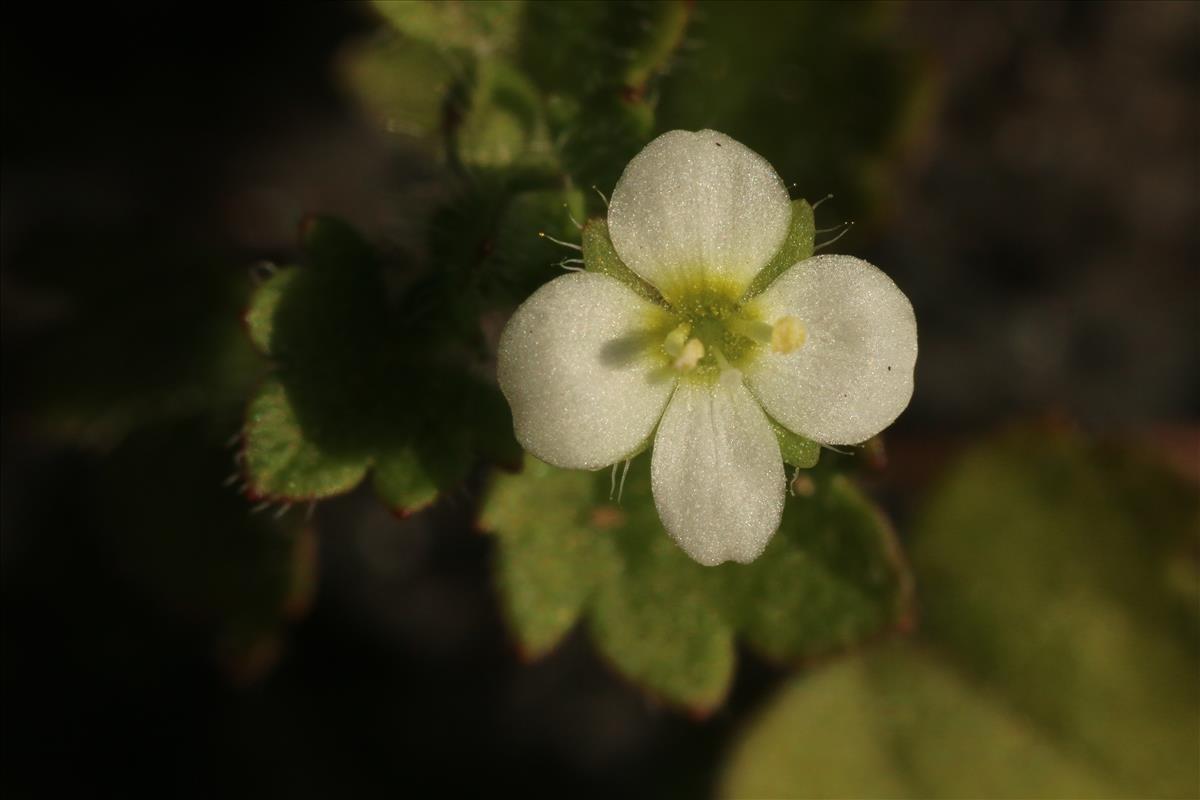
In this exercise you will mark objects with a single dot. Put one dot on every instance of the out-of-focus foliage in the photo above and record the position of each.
(1059, 589)
(568, 550)
(826, 89)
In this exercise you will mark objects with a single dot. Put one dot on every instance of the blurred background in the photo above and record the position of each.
(1028, 173)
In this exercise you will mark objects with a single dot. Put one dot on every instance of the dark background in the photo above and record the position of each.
(1044, 223)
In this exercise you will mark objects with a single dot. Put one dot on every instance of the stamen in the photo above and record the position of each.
(751, 329)
(788, 335)
(676, 339)
(690, 356)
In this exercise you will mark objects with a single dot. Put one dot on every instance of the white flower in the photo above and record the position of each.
(592, 370)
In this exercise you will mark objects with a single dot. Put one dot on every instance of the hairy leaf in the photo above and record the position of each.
(831, 578)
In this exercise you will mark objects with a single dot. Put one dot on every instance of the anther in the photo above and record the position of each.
(788, 335)
(690, 355)
(676, 339)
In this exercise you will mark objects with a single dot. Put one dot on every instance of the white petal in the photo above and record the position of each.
(716, 472)
(583, 393)
(854, 374)
(695, 207)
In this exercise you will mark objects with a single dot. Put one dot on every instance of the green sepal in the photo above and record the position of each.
(600, 256)
(795, 449)
(797, 246)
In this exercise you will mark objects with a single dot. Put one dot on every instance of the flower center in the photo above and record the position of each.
(714, 333)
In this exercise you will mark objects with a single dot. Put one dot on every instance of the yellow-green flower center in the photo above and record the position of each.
(707, 329)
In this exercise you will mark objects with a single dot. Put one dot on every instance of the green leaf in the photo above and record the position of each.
(401, 83)
(664, 633)
(795, 449)
(503, 125)
(520, 259)
(550, 561)
(407, 484)
(596, 64)
(590, 48)
(1051, 563)
(260, 316)
(831, 577)
(1059, 659)
(598, 137)
(343, 395)
(600, 256)
(795, 248)
(659, 620)
(898, 723)
(284, 461)
(483, 27)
